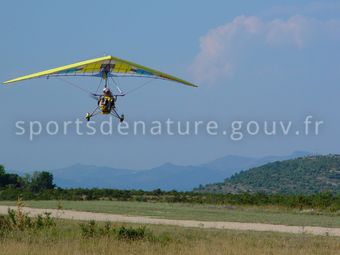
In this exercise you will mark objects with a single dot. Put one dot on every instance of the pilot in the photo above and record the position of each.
(106, 102)
(107, 92)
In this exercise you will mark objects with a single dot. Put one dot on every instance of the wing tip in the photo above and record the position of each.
(9, 81)
(190, 84)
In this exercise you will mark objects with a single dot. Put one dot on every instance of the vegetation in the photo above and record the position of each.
(40, 186)
(306, 175)
(38, 182)
(92, 229)
(17, 220)
(204, 212)
(321, 201)
(21, 234)
(67, 237)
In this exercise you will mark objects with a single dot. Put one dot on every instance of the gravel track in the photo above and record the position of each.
(78, 215)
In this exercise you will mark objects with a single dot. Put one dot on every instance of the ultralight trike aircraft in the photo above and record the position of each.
(106, 68)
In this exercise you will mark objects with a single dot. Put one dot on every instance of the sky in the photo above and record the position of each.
(253, 61)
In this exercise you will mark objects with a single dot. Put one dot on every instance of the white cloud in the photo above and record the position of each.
(213, 61)
(293, 31)
(217, 48)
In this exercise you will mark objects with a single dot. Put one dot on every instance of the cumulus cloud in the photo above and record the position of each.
(216, 57)
(293, 31)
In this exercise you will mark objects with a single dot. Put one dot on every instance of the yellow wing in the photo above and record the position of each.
(103, 67)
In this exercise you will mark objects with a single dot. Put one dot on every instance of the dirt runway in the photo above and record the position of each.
(77, 215)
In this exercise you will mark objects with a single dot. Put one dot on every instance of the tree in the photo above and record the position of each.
(41, 181)
(8, 179)
(2, 170)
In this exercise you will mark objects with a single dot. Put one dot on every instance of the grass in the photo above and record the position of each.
(66, 238)
(76, 237)
(273, 215)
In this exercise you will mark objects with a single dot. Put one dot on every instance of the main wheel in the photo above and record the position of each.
(88, 116)
(122, 117)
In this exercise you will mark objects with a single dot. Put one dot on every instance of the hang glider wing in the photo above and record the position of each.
(103, 67)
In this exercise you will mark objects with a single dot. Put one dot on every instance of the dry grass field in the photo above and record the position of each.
(67, 238)
(76, 237)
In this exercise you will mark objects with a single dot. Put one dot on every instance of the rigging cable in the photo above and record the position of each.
(99, 85)
(75, 85)
(139, 87)
(91, 93)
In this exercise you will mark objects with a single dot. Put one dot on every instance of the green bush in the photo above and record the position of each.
(131, 233)
(93, 230)
(89, 230)
(5, 225)
(18, 220)
(44, 221)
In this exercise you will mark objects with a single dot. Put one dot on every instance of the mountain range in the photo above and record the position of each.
(166, 177)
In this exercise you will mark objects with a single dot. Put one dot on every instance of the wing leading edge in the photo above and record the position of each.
(98, 67)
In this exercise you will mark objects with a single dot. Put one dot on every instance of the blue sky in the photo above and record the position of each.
(253, 60)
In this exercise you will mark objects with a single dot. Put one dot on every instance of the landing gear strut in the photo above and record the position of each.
(120, 117)
(88, 115)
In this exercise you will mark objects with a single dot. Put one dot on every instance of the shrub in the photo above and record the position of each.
(5, 225)
(44, 221)
(92, 229)
(131, 233)
(19, 220)
(89, 229)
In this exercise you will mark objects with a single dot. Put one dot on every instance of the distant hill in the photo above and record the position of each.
(305, 175)
(233, 164)
(166, 177)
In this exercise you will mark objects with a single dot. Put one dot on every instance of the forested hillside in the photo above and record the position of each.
(305, 175)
